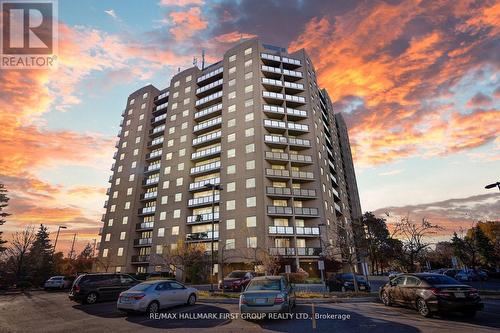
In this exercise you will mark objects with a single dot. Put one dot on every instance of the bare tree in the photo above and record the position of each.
(413, 236)
(104, 262)
(188, 258)
(18, 251)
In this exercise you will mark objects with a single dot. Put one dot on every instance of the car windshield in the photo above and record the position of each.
(349, 276)
(439, 279)
(141, 286)
(237, 275)
(264, 285)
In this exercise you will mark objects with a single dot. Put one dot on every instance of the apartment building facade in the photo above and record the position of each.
(255, 124)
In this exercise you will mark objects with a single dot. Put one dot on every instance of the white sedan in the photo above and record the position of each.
(58, 282)
(151, 296)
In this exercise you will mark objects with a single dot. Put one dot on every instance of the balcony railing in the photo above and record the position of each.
(305, 211)
(296, 74)
(270, 57)
(277, 173)
(271, 155)
(307, 231)
(210, 74)
(147, 210)
(205, 168)
(275, 124)
(271, 69)
(291, 61)
(208, 111)
(202, 236)
(144, 225)
(158, 129)
(149, 195)
(302, 174)
(151, 181)
(296, 112)
(272, 82)
(302, 192)
(153, 167)
(140, 259)
(292, 251)
(209, 98)
(278, 191)
(154, 154)
(143, 241)
(274, 230)
(203, 218)
(210, 86)
(156, 141)
(295, 99)
(162, 96)
(207, 138)
(206, 152)
(297, 127)
(159, 118)
(337, 208)
(279, 210)
(277, 139)
(278, 110)
(300, 158)
(299, 142)
(292, 85)
(203, 200)
(202, 183)
(207, 124)
(273, 95)
(161, 107)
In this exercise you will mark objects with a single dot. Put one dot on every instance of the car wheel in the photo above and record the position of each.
(91, 298)
(386, 299)
(469, 313)
(422, 308)
(191, 299)
(153, 307)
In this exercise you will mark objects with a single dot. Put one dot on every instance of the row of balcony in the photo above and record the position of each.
(299, 231)
(206, 153)
(209, 87)
(282, 97)
(208, 112)
(215, 97)
(294, 158)
(280, 173)
(212, 74)
(207, 138)
(160, 107)
(203, 218)
(207, 125)
(295, 251)
(205, 168)
(281, 126)
(273, 110)
(201, 184)
(279, 140)
(293, 87)
(279, 71)
(202, 236)
(287, 192)
(276, 58)
(288, 211)
(202, 201)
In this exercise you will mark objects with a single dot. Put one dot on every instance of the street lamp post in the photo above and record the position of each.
(213, 187)
(321, 256)
(57, 235)
(493, 185)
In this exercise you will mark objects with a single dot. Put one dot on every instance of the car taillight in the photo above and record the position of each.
(279, 299)
(243, 300)
(76, 288)
(439, 292)
(140, 296)
(473, 293)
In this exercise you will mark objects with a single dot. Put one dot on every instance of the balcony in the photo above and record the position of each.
(210, 99)
(294, 128)
(152, 167)
(209, 88)
(294, 114)
(156, 142)
(307, 231)
(159, 119)
(143, 242)
(208, 112)
(160, 107)
(338, 210)
(336, 195)
(295, 100)
(154, 155)
(210, 76)
(140, 259)
(298, 159)
(162, 96)
(276, 141)
(203, 201)
(279, 210)
(270, 58)
(277, 173)
(272, 84)
(278, 191)
(108, 191)
(291, 87)
(276, 156)
(201, 184)
(151, 181)
(208, 138)
(207, 126)
(149, 195)
(203, 218)
(305, 211)
(292, 75)
(205, 168)
(275, 126)
(299, 143)
(292, 251)
(144, 226)
(157, 130)
(147, 210)
(274, 230)
(304, 193)
(302, 175)
(202, 236)
(273, 111)
(103, 217)
(210, 152)
(291, 63)
(271, 72)
(272, 97)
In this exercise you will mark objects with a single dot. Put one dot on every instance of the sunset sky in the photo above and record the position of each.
(418, 83)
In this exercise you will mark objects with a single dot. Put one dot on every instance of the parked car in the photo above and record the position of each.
(58, 282)
(431, 293)
(236, 280)
(483, 274)
(90, 288)
(466, 275)
(267, 294)
(451, 272)
(345, 282)
(151, 296)
(393, 274)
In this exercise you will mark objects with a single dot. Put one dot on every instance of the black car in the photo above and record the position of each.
(345, 282)
(90, 288)
(431, 293)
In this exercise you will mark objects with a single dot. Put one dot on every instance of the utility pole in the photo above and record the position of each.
(93, 249)
(57, 236)
(71, 253)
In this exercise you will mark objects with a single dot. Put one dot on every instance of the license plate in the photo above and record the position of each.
(459, 295)
(361, 287)
(260, 301)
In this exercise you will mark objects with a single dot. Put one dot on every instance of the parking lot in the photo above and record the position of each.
(41, 311)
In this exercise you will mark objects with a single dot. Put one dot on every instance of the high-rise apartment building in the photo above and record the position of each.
(257, 124)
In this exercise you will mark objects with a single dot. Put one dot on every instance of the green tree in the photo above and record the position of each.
(41, 257)
(4, 199)
(86, 252)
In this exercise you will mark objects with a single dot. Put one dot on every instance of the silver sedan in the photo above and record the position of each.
(151, 296)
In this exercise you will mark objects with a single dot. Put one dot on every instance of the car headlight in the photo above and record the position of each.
(220, 281)
(347, 283)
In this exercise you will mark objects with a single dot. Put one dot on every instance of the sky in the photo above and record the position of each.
(417, 81)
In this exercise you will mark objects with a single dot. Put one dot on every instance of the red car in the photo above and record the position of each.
(236, 280)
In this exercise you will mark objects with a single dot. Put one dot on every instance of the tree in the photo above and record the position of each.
(18, 251)
(191, 259)
(86, 252)
(377, 238)
(413, 236)
(41, 257)
(4, 199)
(475, 248)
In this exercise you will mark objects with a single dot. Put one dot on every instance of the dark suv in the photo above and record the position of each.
(90, 288)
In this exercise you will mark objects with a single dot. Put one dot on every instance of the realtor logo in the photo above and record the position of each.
(29, 31)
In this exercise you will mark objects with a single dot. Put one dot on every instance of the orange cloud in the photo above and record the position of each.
(181, 3)
(187, 23)
(392, 70)
(232, 37)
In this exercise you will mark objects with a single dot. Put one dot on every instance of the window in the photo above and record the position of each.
(177, 83)
(231, 108)
(232, 70)
(185, 113)
(251, 221)
(248, 75)
(231, 95)
(163, 216)
(145, 95)
(139, 128)
(110, 222)
(127, 122)
(248, 63)
(183, 138)
(250, 148)
(249, 88)
(170, 143)
(250, 165)
(180, 166)
(120, 168)
(132, 101)
(173, 117)
(123, 234)
(178, 197)
(174, 107)
(104, 253)
(188, 78)
(249, 132)
(177, 213)
(168, 157)
(230, 244)
(166, 184)
(231, 137)
(171, 130)
(249, 116)
(173, 246)
(125, 134)
(117, 181)
(122, 156)
(131, 178)
(251, 202)
(187, 90)
(115, 194)
(138, 139)
(164, 199)
(230, 205)
(124, 144)
(231, 82)
(248, 51)
(143, 106)
(113, 208)
(251, 242)
(161, 232)
(182, 152)
(179, 181)
(231, 153)
(133, 165)
(186, 101)
(175, 230)
(231, 169)
(159, 249)
(231, 122)
(230, 224)
(136, 152)
(250, 183)
(231, 187)
(232, 58)
(175, 95)
(107, 238)
(120, 252)
(249, 102)
(184, 125)
(125, 220)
